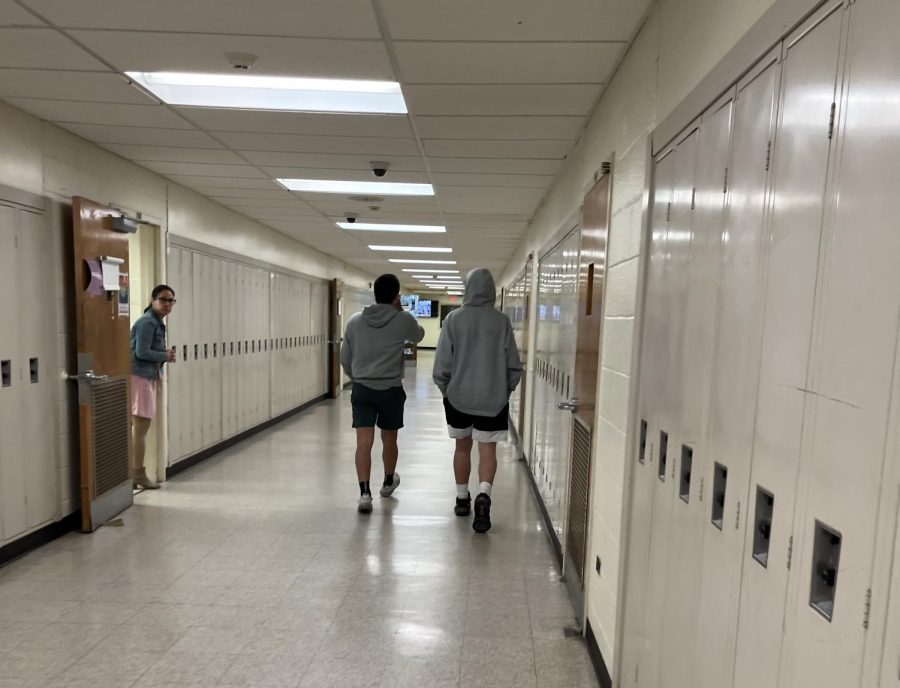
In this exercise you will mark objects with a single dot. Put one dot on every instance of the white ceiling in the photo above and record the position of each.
(498, 93)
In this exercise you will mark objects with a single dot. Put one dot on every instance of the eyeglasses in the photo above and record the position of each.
(172, 301)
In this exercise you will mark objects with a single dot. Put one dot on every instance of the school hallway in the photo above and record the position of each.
(254, 569)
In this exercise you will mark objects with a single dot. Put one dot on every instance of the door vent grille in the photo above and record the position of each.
(109, 424)
(576, 533)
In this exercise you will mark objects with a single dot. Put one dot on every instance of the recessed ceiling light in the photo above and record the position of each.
(419, 261)
(411, 249)
(345, 187)
(375, 227)
(245, 92)
(422, 269)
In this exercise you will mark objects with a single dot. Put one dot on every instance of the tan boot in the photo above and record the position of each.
(142, 481)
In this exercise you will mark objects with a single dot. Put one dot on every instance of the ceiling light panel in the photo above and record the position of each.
(348, 187)
(245, 92)
(411, 261)
(423, 269)
(411, 249)
(377, 227)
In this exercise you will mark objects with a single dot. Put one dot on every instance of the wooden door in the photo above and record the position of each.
(591, 279)
(335, 338)
(104, 363)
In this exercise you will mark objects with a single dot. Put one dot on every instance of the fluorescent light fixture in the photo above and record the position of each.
(375, 227)
(455, 293)
(419, 261)
(344, 187)
(245, 92)
(431, 272)
(411, 249)
(449, 277)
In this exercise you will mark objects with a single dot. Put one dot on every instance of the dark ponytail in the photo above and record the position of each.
(157, 290)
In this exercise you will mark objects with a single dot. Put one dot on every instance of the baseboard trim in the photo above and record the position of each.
(597, 658)
(545, 516)
(201, 456)
(39, 537)
(427, 348)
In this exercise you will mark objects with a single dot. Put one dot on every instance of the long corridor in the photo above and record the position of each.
(254, 569)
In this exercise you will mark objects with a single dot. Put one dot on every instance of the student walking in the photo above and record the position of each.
(372, 356)
(477, 367)
(148, 356)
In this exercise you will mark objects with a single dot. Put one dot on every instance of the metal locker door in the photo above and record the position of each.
(13, 519)
(666, 524)
(241, 389)
(174, 374)
(37, 364)
(697, 214)
(218, 353)
(199, 370)
(638, 571)
(799, 164)
(855, 362)
(734, 369)
(227, 317)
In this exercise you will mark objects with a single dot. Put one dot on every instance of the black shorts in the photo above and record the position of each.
(381, 407)
(480, 428)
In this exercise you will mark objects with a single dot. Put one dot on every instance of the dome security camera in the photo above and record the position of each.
(351, 218)
(379, 168)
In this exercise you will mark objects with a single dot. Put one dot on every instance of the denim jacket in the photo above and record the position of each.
(148, 346)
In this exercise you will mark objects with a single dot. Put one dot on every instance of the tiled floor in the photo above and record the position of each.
(254, 569)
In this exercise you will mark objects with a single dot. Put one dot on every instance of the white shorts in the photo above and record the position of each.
(478, 435)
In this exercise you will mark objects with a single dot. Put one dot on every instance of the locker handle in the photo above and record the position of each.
(6, 373)
(828, 575)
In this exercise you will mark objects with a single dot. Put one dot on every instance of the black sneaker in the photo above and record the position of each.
(482, 522)
(463, 505)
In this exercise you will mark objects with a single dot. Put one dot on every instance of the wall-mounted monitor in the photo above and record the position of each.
(427, 309)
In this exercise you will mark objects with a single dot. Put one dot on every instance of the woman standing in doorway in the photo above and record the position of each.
(148, 355)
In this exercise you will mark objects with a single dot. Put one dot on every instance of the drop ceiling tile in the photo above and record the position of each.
(208, 156)
(215, 119)
(204, 52)
(465, 218)
(400, 217)
(343, 175)
(561, 99)
(338, 203)
(507, 63)
(530, 181)
(13, 15)
(514, 20)
(359, 145)
(35, 48)
(143, 136)
(157, 116)
(531, 148)
(314, 18)
(327, 161)
(207, 184)
(498, 128)
(284, 201)
(495, 165)
(183, 169)
(89, 87)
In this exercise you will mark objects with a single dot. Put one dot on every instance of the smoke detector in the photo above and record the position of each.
(241, 62)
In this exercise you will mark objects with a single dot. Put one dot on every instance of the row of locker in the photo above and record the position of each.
(29, 379)
(765, 476)
(554, 363)
(250, 345)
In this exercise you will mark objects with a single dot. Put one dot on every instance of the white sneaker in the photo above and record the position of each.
(365, 504)
(388, 490)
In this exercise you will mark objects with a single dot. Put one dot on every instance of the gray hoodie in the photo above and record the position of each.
(477, 364)
(372, 354)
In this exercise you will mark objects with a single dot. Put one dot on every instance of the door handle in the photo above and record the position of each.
(87, 376)
(570, 405)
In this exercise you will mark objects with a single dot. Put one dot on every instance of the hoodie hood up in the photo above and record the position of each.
(480, 288)
(379, 314)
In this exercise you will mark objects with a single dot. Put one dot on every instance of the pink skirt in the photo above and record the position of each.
(143, 397)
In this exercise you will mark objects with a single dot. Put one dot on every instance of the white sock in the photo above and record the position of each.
(485, 488)
(462, 491)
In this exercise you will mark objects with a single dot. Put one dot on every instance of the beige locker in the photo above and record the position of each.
(635, 635)
(36, 324)
(13, 479)
(229, 355)
(799, 164)
(848, 417)
(175, 374)
(734, 370)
